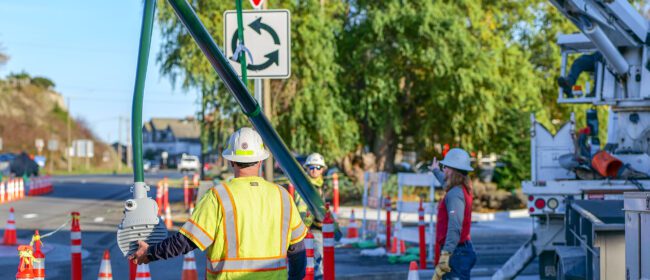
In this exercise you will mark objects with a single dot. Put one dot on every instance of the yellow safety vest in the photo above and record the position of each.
(247, 225)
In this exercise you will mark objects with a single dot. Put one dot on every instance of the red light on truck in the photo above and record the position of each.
(540, 203)
(531, 198)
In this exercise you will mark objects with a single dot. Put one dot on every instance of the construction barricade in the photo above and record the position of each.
(40, 185)
(427, 180)
(372, 199)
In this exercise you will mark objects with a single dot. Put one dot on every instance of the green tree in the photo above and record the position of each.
(308, 116)
(448, 70)
(42, 82)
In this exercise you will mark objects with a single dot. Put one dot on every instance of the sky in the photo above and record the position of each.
(89, 50)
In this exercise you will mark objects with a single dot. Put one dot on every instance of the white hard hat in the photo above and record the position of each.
(457, 158)
(245, 145)
(315, 159)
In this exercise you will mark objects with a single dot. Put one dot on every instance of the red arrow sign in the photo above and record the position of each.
(257, 4)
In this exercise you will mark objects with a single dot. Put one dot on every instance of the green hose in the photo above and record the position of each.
(138, 91)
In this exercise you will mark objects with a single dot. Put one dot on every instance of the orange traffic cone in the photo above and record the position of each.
(10, 230)
(413, 271)
(143, 272)
(21, 188)
(353, 228)
(189, 267)
(309, 249)
(105, 271)
(39, 257)
(168, 211)
(2, 191)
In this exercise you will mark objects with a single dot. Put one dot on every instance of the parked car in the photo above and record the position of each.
(5, 161)
(189, 163)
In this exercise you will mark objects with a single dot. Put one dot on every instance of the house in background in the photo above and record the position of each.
(174, 136)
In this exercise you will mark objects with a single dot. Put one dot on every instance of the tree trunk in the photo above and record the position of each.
(384, 148)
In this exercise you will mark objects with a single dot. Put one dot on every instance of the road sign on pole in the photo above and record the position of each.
(268, 38)
(39, 143)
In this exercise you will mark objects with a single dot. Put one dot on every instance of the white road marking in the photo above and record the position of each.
(30, 216)
(99, 219)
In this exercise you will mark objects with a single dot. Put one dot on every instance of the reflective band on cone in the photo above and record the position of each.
(10, 230)
(25, 268)
(105, 270)
(143, 272)
(189, 267)
(309, 250)
(39, 257)
(75, 247)
(328, 245)
(413, 271)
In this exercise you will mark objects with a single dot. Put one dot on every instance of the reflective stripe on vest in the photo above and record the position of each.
(241, 265)
(298, 232)
(232, 250)
(286, 221)
(199, 234)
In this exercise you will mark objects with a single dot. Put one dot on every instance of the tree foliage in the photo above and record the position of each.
(375, 74)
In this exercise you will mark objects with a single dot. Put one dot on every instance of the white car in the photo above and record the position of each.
(189, 163)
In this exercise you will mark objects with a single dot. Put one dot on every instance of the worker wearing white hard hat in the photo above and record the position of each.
(243, 223)
(454, 253)
(315, 167)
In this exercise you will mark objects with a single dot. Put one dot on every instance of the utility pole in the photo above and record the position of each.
(119, 143)
(67, 152)
(265, 102)
(129, 154)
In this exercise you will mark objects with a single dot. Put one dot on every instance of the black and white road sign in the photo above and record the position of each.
(267, 36)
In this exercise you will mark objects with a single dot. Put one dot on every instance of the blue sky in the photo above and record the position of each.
(89, 49)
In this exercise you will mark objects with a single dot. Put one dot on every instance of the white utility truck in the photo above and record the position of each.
(577, 202)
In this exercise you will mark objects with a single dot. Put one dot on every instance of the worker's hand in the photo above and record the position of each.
(140, 256)
(443, 263)
(434, 164)
(437, 274)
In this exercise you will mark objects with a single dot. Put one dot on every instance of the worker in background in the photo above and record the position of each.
(454, 254)
(250, 227)
(584, 63)
(315, 166)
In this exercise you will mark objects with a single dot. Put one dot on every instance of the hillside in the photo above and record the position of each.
(30, 109)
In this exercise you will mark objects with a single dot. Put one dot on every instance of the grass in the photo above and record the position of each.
(92, 171)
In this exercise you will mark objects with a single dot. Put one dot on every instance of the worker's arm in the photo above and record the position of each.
(455, 202)
(172, 246)
(297, 261)
(439, 175)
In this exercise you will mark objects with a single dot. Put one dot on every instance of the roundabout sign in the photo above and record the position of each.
(267, 37)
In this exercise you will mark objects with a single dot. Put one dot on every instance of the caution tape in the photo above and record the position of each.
(55, 231)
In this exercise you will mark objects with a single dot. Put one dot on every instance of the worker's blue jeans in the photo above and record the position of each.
(461, 262)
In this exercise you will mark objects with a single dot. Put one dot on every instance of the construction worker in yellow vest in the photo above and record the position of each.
(251, 228)
(315, 166)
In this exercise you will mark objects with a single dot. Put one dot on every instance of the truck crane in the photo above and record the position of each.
(586, 225)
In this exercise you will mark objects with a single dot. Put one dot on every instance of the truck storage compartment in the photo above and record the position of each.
(637, 235)
(597, 227)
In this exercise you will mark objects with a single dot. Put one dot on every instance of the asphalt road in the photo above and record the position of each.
(99, 199)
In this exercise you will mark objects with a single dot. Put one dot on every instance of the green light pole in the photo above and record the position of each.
(240, 34)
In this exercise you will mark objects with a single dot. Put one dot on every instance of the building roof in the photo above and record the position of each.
(187, 128)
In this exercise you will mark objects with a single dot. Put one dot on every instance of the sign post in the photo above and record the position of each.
(268, 37)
